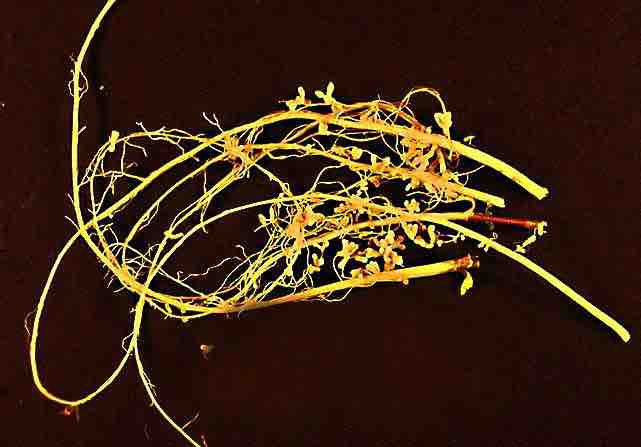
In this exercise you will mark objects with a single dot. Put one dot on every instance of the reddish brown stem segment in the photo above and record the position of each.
(524, 223)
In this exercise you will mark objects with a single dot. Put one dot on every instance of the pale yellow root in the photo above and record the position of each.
(33, 344)
(399, 275)
(549, 277)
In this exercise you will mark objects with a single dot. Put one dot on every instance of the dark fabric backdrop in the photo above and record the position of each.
(551, 87)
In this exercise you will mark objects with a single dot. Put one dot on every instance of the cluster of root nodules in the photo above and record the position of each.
(366, 209)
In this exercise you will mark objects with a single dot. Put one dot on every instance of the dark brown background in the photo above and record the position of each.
(552, 87)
